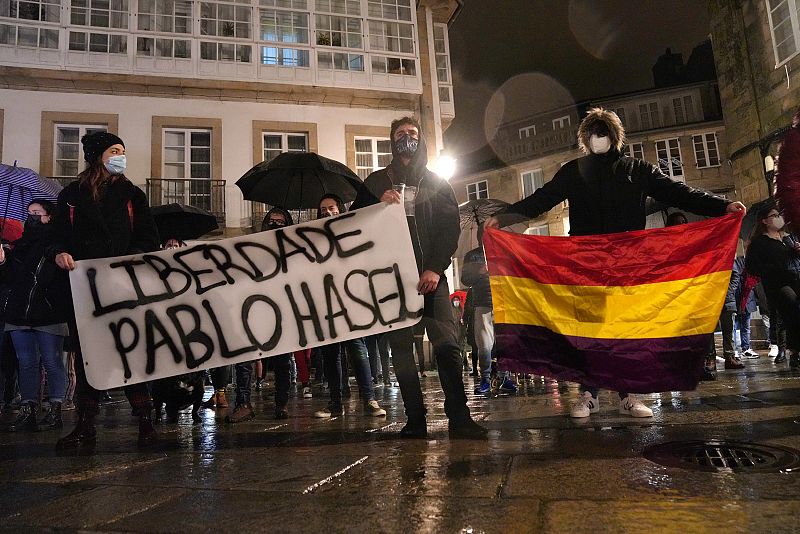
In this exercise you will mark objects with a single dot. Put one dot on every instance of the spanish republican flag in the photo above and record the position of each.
(632, 311)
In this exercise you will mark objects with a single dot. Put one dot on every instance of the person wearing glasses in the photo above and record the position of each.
(774, 255)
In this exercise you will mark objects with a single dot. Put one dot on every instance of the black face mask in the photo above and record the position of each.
(274, 226)
(33, 222)
(406, 145)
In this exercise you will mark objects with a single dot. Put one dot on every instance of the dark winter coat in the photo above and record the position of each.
(37, 291)
(472, 277)
(435, 227)
(607, 194)
(106, 228)
(771, 260)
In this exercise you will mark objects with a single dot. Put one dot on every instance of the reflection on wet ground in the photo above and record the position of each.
(539, 471)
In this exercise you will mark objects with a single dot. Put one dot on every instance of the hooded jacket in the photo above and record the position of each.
(285, 213)
(435, 227)
(607, 193)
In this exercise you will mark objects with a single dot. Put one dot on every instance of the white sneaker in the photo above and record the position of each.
(307, 393)
(632, 406)
(372, 408)
(585, 406)
(750, 354)
(773, 351)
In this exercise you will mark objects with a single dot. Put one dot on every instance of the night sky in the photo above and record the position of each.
(513, 58)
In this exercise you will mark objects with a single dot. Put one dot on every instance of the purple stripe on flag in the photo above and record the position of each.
(629, 365)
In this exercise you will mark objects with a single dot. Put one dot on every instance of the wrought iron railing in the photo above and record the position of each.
(199, 192)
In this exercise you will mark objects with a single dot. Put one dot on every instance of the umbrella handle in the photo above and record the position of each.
(5, 212)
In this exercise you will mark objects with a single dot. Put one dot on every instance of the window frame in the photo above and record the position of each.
(477, 190)
(563, 122)
(703, 137)
(374, 152)
(284, 142)
(82, 130)
(631, 151)
(527, 130)
(794, 22)
(670, 165)
(532, 173)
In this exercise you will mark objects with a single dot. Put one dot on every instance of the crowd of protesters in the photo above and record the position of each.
(102, 214)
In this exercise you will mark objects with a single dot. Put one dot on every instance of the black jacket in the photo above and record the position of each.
(37, 291)
(472, 276)
(607, 194)
(105, 228)
(772, 260)
(436, 226)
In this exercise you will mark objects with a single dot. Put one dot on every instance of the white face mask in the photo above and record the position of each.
(777, 223)
(599, 145)
(116, 164)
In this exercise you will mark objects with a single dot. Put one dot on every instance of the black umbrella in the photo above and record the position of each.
(297, 180)
(182, 222)
(476, 211)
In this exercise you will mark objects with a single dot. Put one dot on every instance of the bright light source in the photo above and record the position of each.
(444, 166)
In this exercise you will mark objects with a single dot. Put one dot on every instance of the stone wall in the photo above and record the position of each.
(757, 98)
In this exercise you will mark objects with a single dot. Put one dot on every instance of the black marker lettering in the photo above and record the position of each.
(272, 342)
(195, 335)
(312, 315)
(152, 324)
(123, 350)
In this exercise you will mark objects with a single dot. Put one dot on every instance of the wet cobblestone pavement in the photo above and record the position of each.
(539, 471)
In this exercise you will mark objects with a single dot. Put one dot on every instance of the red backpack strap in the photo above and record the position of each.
(72, 215)
(130, 213)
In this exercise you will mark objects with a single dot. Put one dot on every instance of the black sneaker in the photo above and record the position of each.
(281, 413)
(415, 429)
(26, 419)
(467, 429)
(52, 419)
(794, 360)
(781, 357)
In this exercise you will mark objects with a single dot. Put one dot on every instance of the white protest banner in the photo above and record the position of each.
(150, 316)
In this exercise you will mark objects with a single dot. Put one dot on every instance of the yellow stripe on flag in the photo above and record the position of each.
(661, 310)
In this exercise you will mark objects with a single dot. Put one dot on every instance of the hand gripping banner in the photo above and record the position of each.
(150, 316)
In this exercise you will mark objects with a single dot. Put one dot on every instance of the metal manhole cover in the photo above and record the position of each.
(725, 456)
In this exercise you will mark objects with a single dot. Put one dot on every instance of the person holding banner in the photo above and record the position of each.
(102, 215)
(607, 193)
(433, 221)
(274, 219)
(329, 206)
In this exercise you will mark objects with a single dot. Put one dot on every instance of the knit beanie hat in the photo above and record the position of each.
(95, 144)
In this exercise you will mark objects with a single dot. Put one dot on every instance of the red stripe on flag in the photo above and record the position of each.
(623, 259)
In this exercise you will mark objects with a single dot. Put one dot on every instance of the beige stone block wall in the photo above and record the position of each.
(757, 98)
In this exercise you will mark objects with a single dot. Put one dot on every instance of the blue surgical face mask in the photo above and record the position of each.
(406, 145)
(116, 164)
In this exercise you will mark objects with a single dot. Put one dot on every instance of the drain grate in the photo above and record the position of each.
(724, 456)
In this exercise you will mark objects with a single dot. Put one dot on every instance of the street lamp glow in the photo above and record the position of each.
(444, 166)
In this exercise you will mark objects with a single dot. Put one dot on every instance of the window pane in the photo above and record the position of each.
(27, 36)
(77, 41)
(48, 39)
(98, 42)
(201, 139)
(172, 138)
(297, 143)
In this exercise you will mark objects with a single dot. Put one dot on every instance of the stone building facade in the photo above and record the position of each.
(201, 91)
(757, 54)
